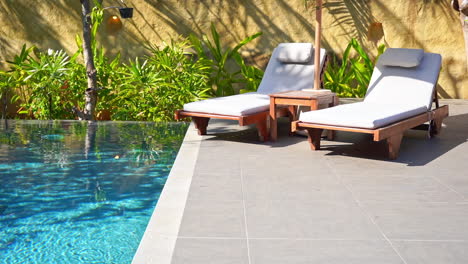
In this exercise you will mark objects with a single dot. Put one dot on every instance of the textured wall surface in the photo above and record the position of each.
(428, 24)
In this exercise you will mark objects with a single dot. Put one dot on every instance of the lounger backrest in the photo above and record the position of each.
(280, 76)
(408, 86)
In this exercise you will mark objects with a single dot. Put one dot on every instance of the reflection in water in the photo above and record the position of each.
(142, 143)
(86, 189)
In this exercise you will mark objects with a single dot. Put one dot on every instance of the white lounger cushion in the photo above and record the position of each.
(298, 53)
(281, 77)
(405, 86)
(362, 115)
(394, 94)
(234, 105)
(278, 77)
(407, 58)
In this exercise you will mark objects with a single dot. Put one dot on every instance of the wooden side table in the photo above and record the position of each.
(292, 99)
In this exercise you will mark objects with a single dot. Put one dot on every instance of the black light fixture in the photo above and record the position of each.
(125, 11)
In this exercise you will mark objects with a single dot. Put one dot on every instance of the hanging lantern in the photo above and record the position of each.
(113, 25)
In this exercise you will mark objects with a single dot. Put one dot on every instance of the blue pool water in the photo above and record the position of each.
(73, 192)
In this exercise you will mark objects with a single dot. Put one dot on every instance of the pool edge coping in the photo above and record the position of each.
(158, 242)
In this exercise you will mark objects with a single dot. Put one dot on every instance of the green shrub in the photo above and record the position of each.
(351, 76)
(16, 76)
(110, 77)
(223, 78)
(48, 85)
(7, 83)
(48, 96)
(155, 87)
(185, 77)
(44, 83)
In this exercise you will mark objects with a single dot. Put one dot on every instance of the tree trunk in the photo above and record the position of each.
(91, 91)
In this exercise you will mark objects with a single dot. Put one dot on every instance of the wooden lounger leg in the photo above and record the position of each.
(262, 128)
(331, 134)
(393, 144)
(201, 123)
(314, 137)
(436, 126)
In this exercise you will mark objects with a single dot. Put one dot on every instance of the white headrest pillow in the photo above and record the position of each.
(399, 57)
(294, 52)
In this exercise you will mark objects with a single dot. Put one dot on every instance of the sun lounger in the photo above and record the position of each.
(291, 67)
(399, 97)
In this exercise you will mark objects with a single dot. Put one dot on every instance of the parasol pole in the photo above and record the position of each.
(318, 33)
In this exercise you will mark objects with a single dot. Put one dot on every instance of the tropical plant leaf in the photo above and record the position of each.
(352, 76)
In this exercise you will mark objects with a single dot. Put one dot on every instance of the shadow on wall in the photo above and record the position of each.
(5, 48)
(29, 23)
(282, 22)
(251, 17)
(53, 24)
(406, 28)
(454, 81)
(352, 16)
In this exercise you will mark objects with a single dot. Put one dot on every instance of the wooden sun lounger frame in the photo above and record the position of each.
(260, 119)
(201, 121)
(392, 133)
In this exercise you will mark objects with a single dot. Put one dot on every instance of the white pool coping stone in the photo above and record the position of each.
(159, 239)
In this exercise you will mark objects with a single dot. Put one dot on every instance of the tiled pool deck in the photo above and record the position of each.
(230, 199)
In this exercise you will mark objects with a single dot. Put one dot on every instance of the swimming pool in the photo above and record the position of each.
(73, 192)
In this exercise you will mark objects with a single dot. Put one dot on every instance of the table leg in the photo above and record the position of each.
(292, 112)
(313, 105)
(273, 121)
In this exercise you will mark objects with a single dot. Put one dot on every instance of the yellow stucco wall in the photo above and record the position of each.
(428, 24)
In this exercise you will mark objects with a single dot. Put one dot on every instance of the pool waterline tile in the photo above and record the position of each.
(165, 222)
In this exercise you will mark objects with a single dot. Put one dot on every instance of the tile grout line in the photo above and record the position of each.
(406, 202)
(364, 210)
(431, 240)
(245, 210)
(449, 187)
(327, 239)
(284, 238)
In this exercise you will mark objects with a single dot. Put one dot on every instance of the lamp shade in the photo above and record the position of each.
(126, 12)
